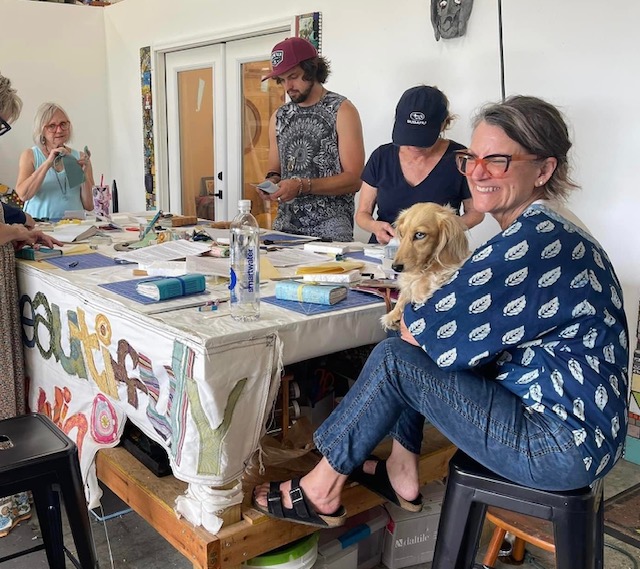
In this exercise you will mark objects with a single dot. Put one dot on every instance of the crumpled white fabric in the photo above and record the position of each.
(200, 504)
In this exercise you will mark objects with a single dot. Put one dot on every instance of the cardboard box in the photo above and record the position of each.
(410, 538)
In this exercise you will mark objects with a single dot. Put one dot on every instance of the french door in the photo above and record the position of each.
(218, 112)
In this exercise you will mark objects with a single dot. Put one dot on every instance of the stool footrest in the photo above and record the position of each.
(21, 553)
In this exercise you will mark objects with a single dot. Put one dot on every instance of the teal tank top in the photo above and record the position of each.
(55, 196)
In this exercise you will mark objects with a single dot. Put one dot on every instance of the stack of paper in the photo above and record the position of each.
(335, 267)
(314, 294)
(347, 278)
(333, 248)
(375, 251)
(172, 287)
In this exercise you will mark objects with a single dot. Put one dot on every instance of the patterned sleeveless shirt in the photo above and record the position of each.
(308, 148)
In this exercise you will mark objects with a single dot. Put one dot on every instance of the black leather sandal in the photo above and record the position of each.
(379, 484)
(302, 511)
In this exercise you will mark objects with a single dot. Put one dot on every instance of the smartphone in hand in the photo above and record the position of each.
(267, 186)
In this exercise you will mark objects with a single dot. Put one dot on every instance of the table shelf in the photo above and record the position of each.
(246, 533)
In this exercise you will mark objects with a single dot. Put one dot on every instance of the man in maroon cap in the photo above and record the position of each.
(316, 152)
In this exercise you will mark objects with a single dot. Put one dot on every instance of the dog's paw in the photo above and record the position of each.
(390, 321)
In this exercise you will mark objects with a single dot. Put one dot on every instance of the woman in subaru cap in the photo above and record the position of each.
(418, 166)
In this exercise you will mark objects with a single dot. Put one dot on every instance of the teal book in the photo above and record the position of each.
(172, 287)
(36, 254)
(315, 294)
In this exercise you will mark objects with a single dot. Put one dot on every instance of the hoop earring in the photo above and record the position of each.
(42, 139)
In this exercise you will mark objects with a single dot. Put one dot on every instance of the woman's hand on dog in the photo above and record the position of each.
(406, 335)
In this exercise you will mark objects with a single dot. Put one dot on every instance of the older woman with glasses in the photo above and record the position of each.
(46, 182)
(13, 235)
(520, 359)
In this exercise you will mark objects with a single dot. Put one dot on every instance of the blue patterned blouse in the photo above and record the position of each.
(539, 309)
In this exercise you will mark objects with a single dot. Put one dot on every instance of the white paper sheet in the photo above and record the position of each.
(290, 257)
(169, 251)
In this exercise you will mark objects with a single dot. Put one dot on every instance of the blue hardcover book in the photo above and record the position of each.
(172, 287)
(315, 294)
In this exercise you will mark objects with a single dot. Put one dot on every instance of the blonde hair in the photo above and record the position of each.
(10, 103)
(44, 114)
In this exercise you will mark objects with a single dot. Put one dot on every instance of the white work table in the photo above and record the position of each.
(198, 383)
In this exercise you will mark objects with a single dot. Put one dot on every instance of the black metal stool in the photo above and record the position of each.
(35, 455)
(577, 516)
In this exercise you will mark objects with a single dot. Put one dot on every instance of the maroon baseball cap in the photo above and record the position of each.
(289, 53)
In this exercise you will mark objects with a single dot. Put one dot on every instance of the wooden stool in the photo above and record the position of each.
(525, 529)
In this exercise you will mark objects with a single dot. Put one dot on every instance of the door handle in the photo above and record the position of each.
(218, 194)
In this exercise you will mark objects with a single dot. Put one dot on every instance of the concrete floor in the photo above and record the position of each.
(128, 541)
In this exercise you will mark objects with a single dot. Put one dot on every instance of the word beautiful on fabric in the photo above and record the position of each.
(90, 349)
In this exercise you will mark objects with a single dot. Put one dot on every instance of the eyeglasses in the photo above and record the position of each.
(495, 165)
(64, 125)
(5, 127)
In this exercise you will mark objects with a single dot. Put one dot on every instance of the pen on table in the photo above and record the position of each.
(73, 264)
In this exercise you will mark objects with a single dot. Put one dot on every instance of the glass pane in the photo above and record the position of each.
(195, 96)
(261, 99)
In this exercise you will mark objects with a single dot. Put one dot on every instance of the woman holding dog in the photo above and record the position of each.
(419, 166)
(520, 360)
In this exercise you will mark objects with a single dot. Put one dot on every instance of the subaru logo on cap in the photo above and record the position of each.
(417, 116)
(276, 57)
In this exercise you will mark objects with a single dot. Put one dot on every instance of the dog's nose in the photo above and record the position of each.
(397, 268)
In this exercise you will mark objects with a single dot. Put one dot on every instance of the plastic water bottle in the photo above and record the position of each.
(245, 265)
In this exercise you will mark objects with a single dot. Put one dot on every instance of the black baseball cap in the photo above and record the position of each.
(419, 117)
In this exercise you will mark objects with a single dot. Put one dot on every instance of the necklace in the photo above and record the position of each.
(63, 187)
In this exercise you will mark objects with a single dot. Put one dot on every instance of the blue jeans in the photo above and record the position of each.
(400, 385)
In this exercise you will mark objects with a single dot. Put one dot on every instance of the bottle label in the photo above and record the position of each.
(251, 268)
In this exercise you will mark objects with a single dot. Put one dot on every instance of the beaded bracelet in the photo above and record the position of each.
(309, 182)
(300, 184)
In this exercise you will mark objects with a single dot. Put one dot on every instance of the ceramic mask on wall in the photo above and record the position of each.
(449, 17)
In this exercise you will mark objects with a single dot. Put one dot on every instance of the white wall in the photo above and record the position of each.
(381, 57)
(583, 59)
(55, 52)
(571, 52)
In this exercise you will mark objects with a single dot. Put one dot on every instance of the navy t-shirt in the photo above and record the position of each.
(13, 214)
(444, 184)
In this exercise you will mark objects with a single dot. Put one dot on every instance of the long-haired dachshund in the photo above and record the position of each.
(433, 245)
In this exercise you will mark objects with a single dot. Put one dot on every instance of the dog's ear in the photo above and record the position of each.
(398, 223)
(453, 247)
